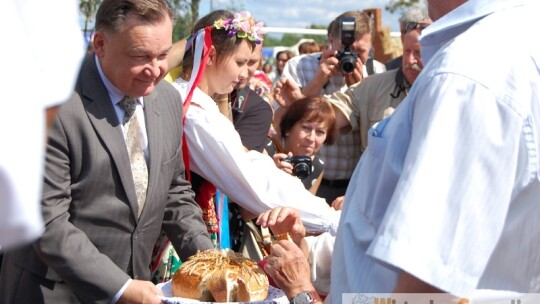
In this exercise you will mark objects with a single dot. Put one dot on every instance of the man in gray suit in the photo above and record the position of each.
(97, 243)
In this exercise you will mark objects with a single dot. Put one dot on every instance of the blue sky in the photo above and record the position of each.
(300, 13)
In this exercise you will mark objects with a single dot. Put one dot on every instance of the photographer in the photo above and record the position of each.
(350, 34)
(307, 124)
(320, 74)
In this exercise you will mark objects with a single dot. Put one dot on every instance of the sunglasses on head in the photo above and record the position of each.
(415, 25)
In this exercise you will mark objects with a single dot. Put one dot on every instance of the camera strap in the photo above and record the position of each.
(402, 86)
(276, 143)
(369, 66)
(238, 99)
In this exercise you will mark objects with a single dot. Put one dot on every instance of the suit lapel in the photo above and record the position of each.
(103, 117)
(154, 132)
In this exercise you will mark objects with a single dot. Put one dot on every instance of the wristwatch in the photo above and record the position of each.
(306, 297)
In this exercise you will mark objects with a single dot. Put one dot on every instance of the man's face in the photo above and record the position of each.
(362, 45)
(253, 64)
(135, 58)
(412, 62)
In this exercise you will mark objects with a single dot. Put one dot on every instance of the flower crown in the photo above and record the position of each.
(243, 26)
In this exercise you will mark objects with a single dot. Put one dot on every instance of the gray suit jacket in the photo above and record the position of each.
(93, 241)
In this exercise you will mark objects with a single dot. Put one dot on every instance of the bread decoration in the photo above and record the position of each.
(220, 276)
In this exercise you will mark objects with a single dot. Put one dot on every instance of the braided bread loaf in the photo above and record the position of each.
(220, 276)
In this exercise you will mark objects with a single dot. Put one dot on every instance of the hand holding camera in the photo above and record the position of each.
(345, 61)
(299, 165)
(329, 64)
(350, 62)
(355, 76)
(347, 57)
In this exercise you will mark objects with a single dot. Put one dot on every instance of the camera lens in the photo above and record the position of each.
(347, 64)
(301, 170)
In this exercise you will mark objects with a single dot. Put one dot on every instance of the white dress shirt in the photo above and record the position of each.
(117, 96)
(448, 188)
(251, 179)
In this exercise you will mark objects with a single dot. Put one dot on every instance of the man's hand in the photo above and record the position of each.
(338, 202)
(289, 268)
(284, 220)
(141, 292)
(281, 164)
(328, 67)
(286, 92)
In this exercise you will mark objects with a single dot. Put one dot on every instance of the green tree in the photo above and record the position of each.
(187, 13)
(400, 5)
(270, 41)
(186, 9)
(320, 39)
(182, 26)
(291, 39)
(88, 9)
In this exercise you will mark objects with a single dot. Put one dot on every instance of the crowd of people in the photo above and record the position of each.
(416, 175)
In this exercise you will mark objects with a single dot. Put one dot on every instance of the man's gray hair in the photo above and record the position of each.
(414, 14)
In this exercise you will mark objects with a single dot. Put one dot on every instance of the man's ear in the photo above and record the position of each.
(99, 42)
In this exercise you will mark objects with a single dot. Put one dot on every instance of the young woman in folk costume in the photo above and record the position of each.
(215, 61)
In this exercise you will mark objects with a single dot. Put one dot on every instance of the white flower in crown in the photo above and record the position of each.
(243, 26)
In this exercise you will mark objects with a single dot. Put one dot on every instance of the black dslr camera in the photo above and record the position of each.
(347, 58)
(301, 165)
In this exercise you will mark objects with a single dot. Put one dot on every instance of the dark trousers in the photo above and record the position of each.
(331, 189)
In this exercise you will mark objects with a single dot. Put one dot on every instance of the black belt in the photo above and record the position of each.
(339, 183)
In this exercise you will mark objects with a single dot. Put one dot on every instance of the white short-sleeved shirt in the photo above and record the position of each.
(448, 188)
(42, 49)
(251, 179)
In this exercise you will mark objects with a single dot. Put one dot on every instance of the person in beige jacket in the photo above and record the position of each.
(377, 96)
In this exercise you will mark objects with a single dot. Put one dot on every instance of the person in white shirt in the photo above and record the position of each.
(445, 195)
(40, 69)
